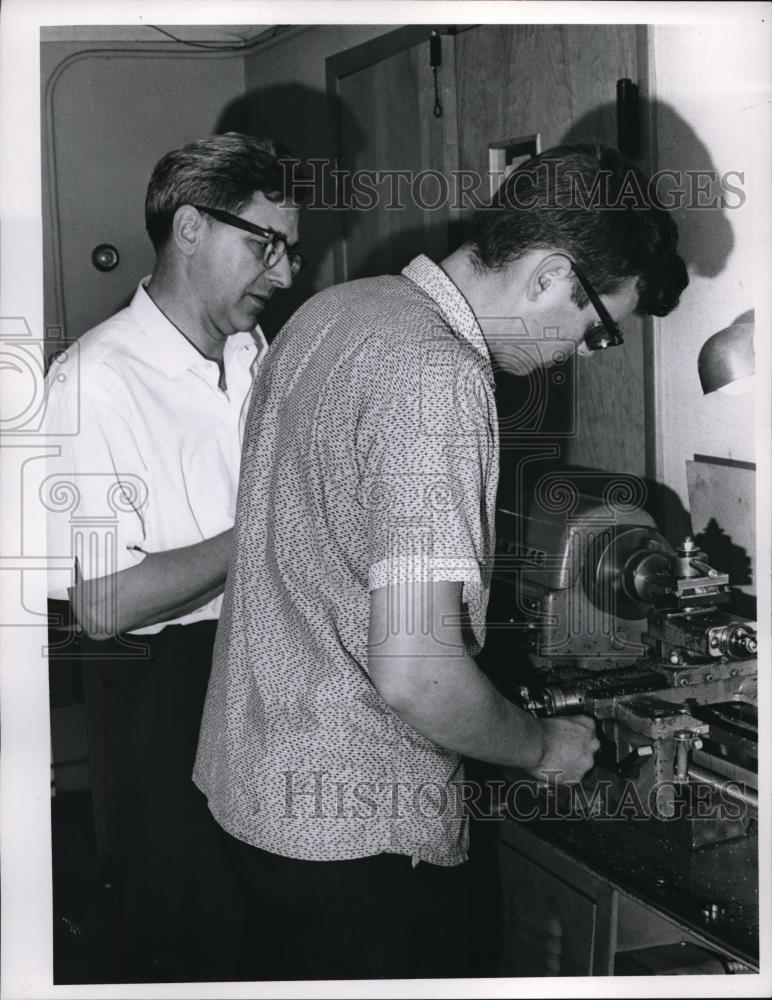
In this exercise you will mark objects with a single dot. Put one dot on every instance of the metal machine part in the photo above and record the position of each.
(637, 570)
(679, 719)
(699, 634)
(553, 701)
(668, 748)
(747, 796)
(625, 567)
(543, 595)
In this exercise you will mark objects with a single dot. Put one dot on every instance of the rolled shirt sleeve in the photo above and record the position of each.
(426, 473)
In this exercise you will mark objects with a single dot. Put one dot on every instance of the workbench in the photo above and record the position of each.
(583, 898)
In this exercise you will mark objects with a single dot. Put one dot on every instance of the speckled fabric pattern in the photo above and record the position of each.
(370, 456)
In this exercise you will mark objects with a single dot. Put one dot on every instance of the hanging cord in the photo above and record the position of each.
(435, 61)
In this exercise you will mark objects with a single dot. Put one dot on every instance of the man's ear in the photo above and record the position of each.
(187, 227)
(546, 275)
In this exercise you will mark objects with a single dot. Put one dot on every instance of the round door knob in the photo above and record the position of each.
(105, 257)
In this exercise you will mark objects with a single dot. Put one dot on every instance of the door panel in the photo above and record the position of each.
(523, 79)
(392, 103)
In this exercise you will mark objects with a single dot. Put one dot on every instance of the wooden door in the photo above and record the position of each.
(396, 141)
(558, 81)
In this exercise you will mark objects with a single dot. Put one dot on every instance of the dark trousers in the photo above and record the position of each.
(370, 918)
(180, 907)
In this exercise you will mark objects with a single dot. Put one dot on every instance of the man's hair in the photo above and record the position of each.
(594, 205)
(220, 171)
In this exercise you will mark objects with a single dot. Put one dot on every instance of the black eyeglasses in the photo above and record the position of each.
(606, 333)
(275, 246)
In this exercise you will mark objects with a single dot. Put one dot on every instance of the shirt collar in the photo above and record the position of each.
(431, 279)
(174, 353)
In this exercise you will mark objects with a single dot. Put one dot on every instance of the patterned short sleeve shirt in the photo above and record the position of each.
(370, 457)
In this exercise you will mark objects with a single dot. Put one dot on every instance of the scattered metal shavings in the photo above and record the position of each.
(75, 929)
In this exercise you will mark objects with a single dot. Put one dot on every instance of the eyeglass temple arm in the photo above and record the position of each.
(594, 298)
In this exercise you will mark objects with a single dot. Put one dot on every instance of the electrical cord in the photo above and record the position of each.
(264, 36)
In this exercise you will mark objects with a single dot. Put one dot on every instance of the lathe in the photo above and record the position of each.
(607, 619)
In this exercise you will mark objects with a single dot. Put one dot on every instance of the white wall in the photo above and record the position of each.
(300, 58)
(111, 110)
(714, 81)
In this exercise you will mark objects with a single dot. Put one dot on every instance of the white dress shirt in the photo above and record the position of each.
(148, 445)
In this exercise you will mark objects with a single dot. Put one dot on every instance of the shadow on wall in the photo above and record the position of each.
(391, 255)
(299, 117)
(725, 555)
(688, 182)
(700, 199)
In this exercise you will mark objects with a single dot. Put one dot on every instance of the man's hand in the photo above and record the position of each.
(569, 746)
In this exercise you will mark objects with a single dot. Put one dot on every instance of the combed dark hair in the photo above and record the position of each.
(221, 171)
(594, 205)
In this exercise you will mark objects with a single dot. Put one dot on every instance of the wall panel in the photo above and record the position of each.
(559, 81)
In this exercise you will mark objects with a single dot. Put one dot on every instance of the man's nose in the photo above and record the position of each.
(280, 274)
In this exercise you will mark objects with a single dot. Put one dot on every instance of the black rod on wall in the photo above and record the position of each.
(627, 117)
(435, 61)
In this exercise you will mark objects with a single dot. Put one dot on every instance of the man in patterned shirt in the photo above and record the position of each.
(344, 693)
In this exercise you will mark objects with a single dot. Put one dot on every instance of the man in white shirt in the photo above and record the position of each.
(158, 394)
